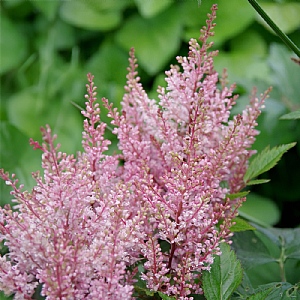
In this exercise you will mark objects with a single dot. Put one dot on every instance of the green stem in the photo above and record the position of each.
(282, 259)
(281, 34)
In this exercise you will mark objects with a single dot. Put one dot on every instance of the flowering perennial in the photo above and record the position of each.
(94, 224)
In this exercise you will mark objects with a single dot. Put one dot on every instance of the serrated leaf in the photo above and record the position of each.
(280, 291)
(224, 277)
(238, 195)
(266, 160)
(241, 225)
(260, 295)
(257, 181)
(291, 116)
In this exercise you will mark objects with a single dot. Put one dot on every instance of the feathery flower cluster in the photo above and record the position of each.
(161, 204)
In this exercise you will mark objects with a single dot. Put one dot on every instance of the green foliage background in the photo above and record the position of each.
(48, 47)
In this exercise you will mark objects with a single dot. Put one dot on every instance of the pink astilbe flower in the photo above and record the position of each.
(69, 234)
(161, 204)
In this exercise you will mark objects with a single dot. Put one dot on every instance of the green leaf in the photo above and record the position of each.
(143, 290)
(269, 291)
(22, 163)
(156, 40)
(257, 181)
(84, 14)
(291, 116)
(150, 8)
(278, 291)
(224, 277)
(260, 295)
(109, 64)
(246, 59)
(28, 113)
(269, 254)
(165, 297)
(109, 5)
(266, 160)
(48, 8)
(13, 45)
(285, 75)
(3, 297)
(238, 195)
(250, 250)
(241, 225)
(287, 239)
(11, 141)
(260, 210)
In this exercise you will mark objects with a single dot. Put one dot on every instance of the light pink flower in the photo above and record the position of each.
(161, 205)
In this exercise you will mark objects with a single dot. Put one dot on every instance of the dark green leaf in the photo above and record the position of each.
(241, 225)
(262, 295)
(280, 291)
(165, 297)
(287, 239)
(269, 291)
(250, 249)
(224, 277)
(269, 254)
(257, 181)
(266, 160)
(260, 210)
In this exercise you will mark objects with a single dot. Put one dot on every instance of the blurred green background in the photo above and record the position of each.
(48, 47)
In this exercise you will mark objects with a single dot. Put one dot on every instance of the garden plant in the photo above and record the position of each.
(152, 206)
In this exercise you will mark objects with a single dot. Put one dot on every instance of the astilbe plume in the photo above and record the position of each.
(162, 203)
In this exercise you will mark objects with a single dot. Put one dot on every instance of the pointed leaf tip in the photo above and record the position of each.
(291, 116)
(266, 160)
(224, 277)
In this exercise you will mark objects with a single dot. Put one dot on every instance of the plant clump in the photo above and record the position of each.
(94, 223)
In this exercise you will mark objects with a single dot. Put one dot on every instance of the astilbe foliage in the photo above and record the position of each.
(90, 219)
